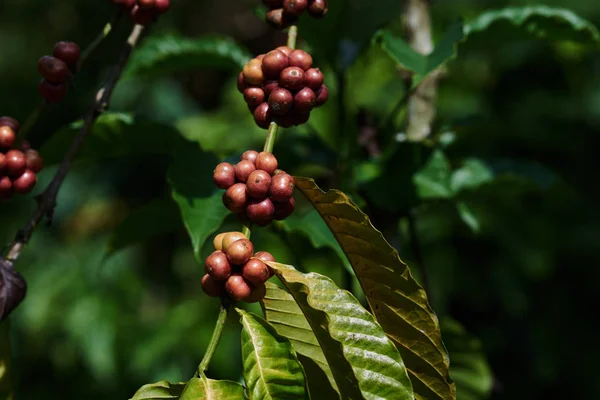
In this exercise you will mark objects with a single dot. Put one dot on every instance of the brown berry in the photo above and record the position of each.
(258, 184)
(256, 272)
(294, 7)
(284, 210)
(292, 78)
(253, 73)
(274, 62)
(217, 266)
(7, 137)
(232, 237)
(16, 163)
(281, 101)
(264, 256)
(269, 86)
(273, 3)
(161, 6)
(68, 52)
(25, 183)
(6, 190)
(263, 115)
(304, 100)
(11, 123)
(218, 241)
(317, 8)
(224, 175)
(239, 252)
(212, 287)
(267, 162)
(301, 59)
(293, 118)
(34, 160)
(235, 197)
(254, 96)
(241, 83)
(243, 169)
(258, 293)
(53, 69)
(52, 92)
(278, 19)
(260, 211)
(249, 155)
(282, 188)
(314, 78)
(322, 96)
(238, 288)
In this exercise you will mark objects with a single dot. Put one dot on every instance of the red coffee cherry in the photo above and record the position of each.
(274, 62)
(6, 190)
(294, 7)
(224, 175)
(217, 266)
(146, 4)
(35, 162)
(212, 287)
(231, 237)
(162, 6)
(25, 183)
(254, 96)
(269, 86)
(7, 137)
(293, 118)
(273, 3)
(284, 210)
(253, 73)
(256, 272)
(292, 78)
(235, 198)
(285, 50)
(2, 162)
(243, 169)
(317, 8)
(239, 252)
(241, 83)
(304, 100)
(16, 163)
(260, 211)
(249, 155)
(281, 101)
(278, 19)
(267, 162)
(238, 288)
(258, 293)
(11, 123)
(314, 78)
(52, 92)
(301, 59)
(258, 184)
(322, 96)
(264, 256)
(263, 115)
(53, 69)
(282, 188)
(68, 52)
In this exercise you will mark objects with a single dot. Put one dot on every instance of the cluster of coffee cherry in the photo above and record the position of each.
(255, 189)
(283, 13)
(144, 12)
(56, 70)
(17, 166)
(234, 269)
(282, 86)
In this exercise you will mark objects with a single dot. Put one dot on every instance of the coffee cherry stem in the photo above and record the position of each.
(292, 37)
(247, 230)
(216, 336)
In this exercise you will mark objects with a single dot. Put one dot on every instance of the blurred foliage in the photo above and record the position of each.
(498, 206)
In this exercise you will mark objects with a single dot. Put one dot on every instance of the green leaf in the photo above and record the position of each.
(433, 181)
(159, 216)
(469, 368)
(271, 367)
(201, 206)
(168, 54)
(467, 216)
(364, 362)
(159, 390)
(540, 21)
(471, 175)
(397, 300)
(210, 389)
(282, 312)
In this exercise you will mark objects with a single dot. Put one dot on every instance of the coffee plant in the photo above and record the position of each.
(343, 96)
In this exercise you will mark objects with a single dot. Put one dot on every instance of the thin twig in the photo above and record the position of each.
(47, 199)
(215, 338)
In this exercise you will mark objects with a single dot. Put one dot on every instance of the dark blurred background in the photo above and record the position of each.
(516, 268)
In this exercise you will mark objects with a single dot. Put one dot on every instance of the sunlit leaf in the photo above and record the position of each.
(282, 312)
(470, 175)
(468, 217)
(433, 181)
(397, 300)
(209, 389)
(363, 360)
(159, 390)
(271, 367)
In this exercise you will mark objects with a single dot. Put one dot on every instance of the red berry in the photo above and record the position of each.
(239, 252)
(285, 50)
(301, 59)
(162, 6)
(294, 7)
(217, 266)
(258, 293)
(260, 211)
(52, 92)
(249, 155)
(142, 16)
(2, 162)
(53, 69)
(292, 78)
(7, 137)
(258, 184)
(274, 62)
(16, 163)
(282, 188)
(238, 288)
(25, 183)
(6, 189)
(212, 287)
(34, 160)
(256, 272)
(254, 96)
(264, 256)
(269, 86)
(235, 197)
(293, 118)
(263, 115)
(284, 210)
(318, 8)
(266, 161)
(146, 4)
(322, 96)
(243, 169)
(224, 175)
(11, 123)
(281, 101)
(314, 78)
(68, 52)
(241, 83)
(304, 100)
